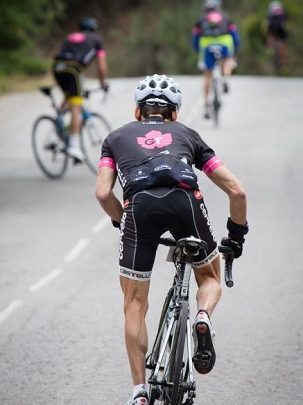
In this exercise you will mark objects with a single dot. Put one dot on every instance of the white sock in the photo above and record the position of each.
(74, 140)
(138, 388)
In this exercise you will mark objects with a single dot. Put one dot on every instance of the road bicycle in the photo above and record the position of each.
(171, 380)
(50, 136)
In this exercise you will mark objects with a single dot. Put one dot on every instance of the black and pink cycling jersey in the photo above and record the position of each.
(154, 153)
(81, 47)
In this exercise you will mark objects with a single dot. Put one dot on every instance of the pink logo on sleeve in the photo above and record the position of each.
(154, 139)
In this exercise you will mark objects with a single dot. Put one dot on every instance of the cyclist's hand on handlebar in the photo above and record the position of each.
(235, 237)
(236, 247)
(105, 87)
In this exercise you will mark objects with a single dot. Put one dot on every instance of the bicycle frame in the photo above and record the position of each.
(180, 289)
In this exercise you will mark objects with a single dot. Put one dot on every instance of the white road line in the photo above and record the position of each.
(6, 313)
(45, 280)
(101, 224)
(74, 253)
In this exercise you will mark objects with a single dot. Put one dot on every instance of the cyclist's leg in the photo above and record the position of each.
(228, 64)
(68, 77)
(140, 234)
(135, 308)
(208, 282)
(193, 220)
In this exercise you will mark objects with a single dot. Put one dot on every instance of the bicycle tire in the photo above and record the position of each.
(94, 130)
(177, 355)
(216, 106)
(49, 148)
(154, 355)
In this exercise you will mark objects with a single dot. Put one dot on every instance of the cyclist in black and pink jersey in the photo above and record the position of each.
(153, 157)
(78, 50)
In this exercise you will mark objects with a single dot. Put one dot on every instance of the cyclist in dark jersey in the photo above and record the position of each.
(79, 49)
(277, 33)
(214, 29)
(153, 158)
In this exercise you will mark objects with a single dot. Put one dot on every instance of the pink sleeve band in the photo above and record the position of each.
(196, 31)
(107, 162)
(232, 27)
(211, 165)
(100, 53)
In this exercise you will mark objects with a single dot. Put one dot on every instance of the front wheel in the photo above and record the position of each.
(94, 130)
(49, 147)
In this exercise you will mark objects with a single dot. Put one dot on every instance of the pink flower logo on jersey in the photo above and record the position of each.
(154, 139)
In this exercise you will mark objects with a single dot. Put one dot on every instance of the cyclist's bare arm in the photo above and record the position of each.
(106, 179)
(229, 183)
(102, 66)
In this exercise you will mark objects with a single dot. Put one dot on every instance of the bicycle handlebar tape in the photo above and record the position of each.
(228, 273)
(237, 231)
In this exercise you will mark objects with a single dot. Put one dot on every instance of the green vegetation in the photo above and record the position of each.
(141, 36)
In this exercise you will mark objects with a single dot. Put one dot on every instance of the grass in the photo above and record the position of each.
(19, 83)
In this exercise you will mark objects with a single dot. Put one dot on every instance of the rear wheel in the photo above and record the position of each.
(155, 391)
(49, 147)
(216, 104)
(177, 363)
(94, 130)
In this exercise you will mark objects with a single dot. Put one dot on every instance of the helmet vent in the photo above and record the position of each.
(152, 84)
(164, 85)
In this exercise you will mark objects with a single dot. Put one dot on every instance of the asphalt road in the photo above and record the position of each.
(61, 322)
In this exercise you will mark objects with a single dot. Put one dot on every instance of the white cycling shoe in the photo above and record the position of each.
(204, 353)
(76, 153)
(140, 399)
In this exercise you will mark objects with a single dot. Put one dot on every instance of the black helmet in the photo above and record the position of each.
(89, 24)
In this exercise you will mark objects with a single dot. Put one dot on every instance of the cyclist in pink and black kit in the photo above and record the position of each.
(78, 50)
(153, 157)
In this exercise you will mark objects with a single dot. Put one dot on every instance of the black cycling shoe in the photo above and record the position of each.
(225, 87)
(204, 353)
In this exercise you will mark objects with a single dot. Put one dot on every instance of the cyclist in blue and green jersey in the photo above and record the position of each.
(214, 28)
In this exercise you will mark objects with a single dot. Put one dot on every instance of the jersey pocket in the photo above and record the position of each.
(162, 171)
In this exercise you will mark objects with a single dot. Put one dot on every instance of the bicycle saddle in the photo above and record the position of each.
(191, 245)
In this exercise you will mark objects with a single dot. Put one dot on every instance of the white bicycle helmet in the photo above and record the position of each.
(158, 89)
(275, 6)
(211, 4)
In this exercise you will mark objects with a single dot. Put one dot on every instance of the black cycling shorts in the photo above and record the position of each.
(150, 213)
(69, 77)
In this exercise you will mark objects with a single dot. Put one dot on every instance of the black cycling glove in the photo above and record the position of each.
(235, 238)
(115, 224)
